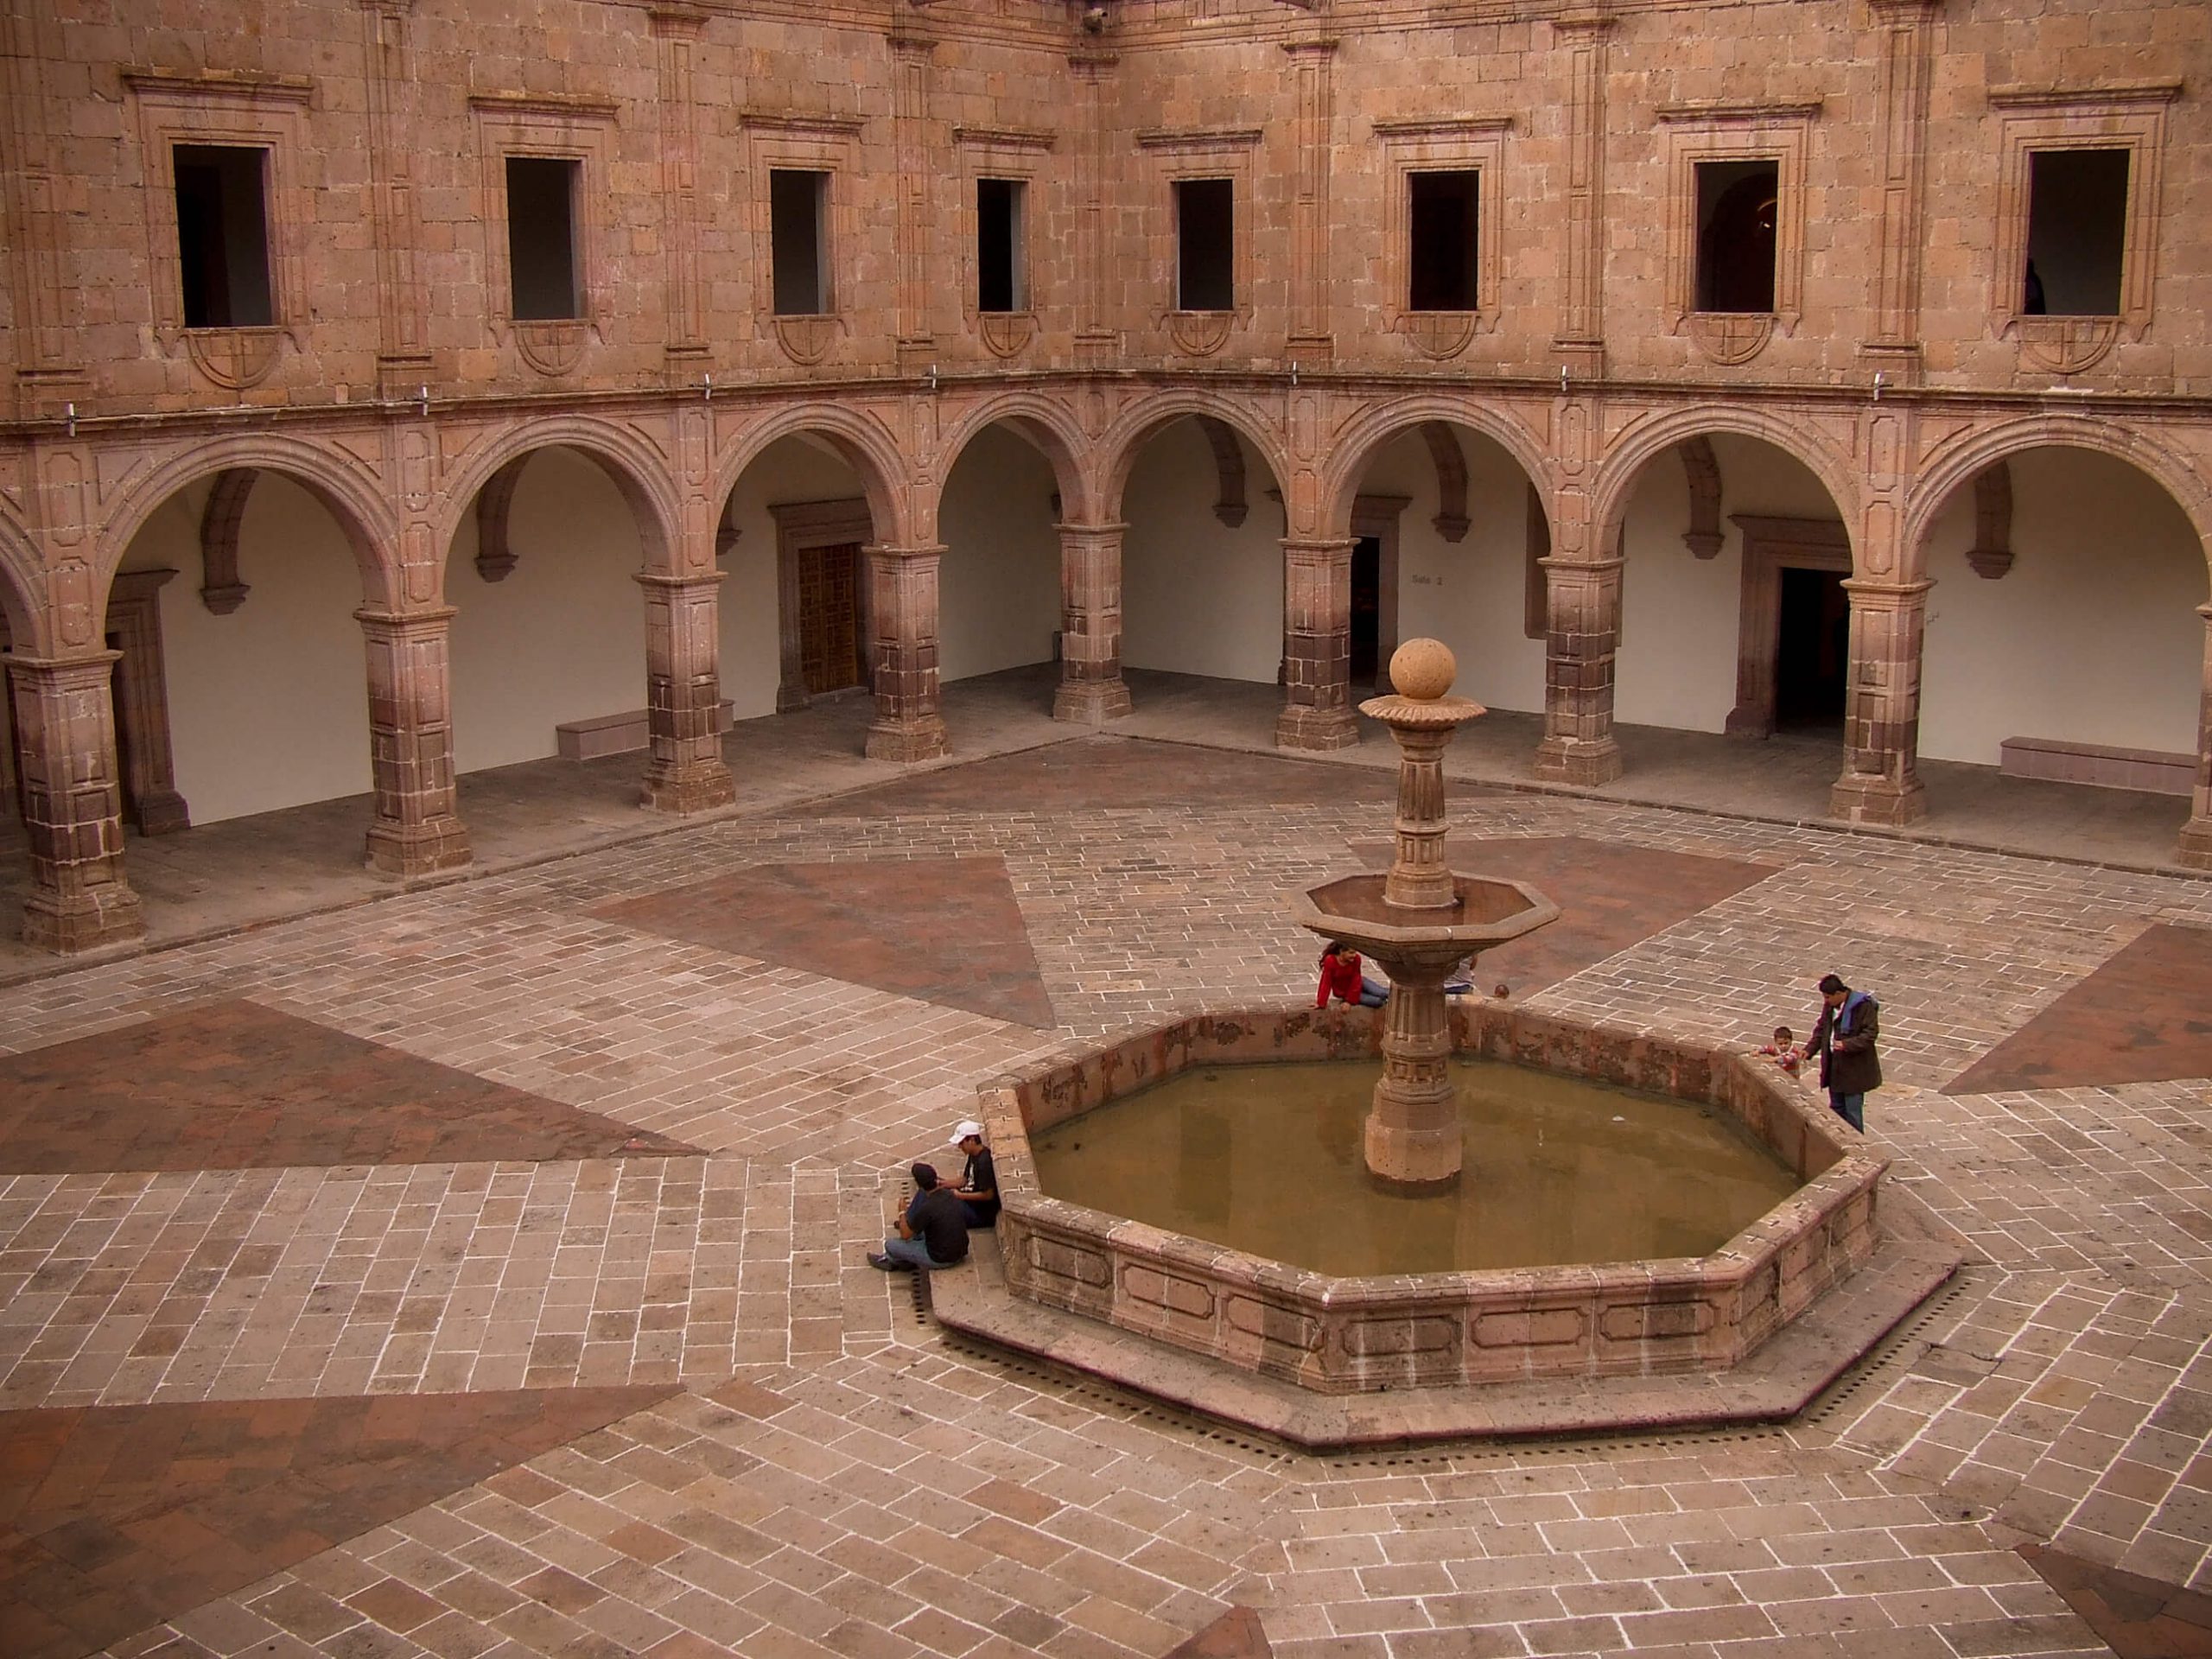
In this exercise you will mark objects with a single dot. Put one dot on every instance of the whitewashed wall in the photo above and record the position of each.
(999, 582)
(790, 470)
(2092, 637)
(1198, 597)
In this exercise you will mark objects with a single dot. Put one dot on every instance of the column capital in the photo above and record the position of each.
(55, 667)
(1566, 563)
(1888, 596)
(885, 550)
(370, 617)
(675, 583)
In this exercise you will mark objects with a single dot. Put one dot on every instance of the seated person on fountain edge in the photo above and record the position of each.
(1341, 978)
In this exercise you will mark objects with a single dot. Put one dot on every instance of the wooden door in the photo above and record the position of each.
(830, 644)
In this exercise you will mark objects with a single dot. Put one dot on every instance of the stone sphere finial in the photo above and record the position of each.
(1423, 669)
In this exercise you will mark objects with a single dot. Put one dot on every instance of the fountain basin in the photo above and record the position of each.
(1338, 1335)
(1488, 911)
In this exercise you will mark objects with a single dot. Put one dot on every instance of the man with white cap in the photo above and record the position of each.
(979, 1179)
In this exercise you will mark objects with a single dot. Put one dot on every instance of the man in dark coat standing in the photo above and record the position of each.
(1843, 1039)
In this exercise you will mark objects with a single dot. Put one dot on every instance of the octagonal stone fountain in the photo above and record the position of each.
(1778, 1298)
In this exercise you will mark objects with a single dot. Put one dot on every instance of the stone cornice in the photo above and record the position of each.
(1442, 126)
(2093, 92)
(575, 107)
(1005, 137)
(221, 83)
(837, 126)
(1209, 138)
(1732, 113)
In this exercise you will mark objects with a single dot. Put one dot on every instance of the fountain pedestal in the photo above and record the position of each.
(1419, 921)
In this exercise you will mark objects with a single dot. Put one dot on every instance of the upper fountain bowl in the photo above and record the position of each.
(1488, 911)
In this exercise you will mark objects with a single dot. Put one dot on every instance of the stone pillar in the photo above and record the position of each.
(1894, 345)
(1581, 32)
(1096, 339)
(1583, 621)
(1881, 713)
(1309, 61)
(918, 173)
(404, 358)
(2196, 848)
(1091, 690)
(416, 830)
(676, 26)
(1317, 710)
(71, 792)
(683, 696)
(1412, 1134)
(902, 657)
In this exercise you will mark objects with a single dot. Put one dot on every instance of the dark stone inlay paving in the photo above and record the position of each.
(1237, 1634)
(946, 931)
(2144, 1017)
(234, 1085)
(1086, 774)
(1611, 895)
(115, 1518)
(2136, 1617)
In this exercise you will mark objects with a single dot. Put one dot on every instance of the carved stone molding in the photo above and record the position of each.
(220, 522)
(1199, 334)
(1701, 467)
(495, 555)
(1990, 556)
(2065, 345)
(1006, 334)
(554, 127)
(1211, 154)
(553, 348)
(1716, 132)
(1770, 546)
(1230, 506)
(1451, 522)
(234, 357)
(151, 802)
(807, 341)
(1466, 143)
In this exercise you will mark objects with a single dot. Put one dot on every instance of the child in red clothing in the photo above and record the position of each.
(1341, 979)
(1783, 1050)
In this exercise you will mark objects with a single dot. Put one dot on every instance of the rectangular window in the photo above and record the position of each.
(798, 236)
(2077, 229)
(1001, 282)
(542, 200)
(1206, 244)
(1738, 211)
(222, 232)
(1441, 245)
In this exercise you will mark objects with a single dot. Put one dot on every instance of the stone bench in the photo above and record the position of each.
(588, 740)
(2157, 770)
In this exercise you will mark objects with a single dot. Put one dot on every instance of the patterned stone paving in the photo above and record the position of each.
(110, 1518)
(1609, 897)
(819, 1472)
(2138, 1617)
(940, 929)
(2145, 1016)
(232, 1085)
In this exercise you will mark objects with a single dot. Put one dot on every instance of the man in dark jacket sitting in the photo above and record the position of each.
(1843, 1039)
(933, 1231)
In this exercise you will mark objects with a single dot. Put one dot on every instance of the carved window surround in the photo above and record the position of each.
(1702, 132)
(999, 153)
(554, 127)
(1463, 143)
(2128, 116)
(1224, 153)
(805, 143)
(801, 525)
(243, 111)
(1771, 546)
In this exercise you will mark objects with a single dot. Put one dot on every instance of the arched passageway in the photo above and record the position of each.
(1000, 584)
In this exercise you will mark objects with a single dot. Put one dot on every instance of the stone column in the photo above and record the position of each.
(1095, 340)
(902, 657)
(71, 792)
(404, 358)
(683, 696)
(2196, 848)
(1881, 713)
(1581, 32)
(1309, 61)
(1583, 621)
(1894, 345)
(1091, 690)
(917, 175)
(677, 25)
(1317, 646)
(416, 830)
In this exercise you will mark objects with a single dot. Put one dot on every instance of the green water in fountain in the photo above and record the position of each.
(1560, 1171)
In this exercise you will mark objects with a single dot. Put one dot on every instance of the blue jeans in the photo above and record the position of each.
(1852, 1108)
(912, 1252)
(1373, 994)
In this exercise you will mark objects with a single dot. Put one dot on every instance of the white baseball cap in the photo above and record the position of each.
(961, 1132)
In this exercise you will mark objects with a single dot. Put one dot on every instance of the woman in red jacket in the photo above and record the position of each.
(1341, 978)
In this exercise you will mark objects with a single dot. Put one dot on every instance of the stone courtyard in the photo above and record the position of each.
(482, 1270)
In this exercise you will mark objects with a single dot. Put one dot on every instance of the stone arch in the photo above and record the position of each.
(19, 590)
(1125, 439)
(1964, 458)
(636, 470)
(1625, 463)
(865, 444)
(1368, 432)
(351, 497)
(1047, 427)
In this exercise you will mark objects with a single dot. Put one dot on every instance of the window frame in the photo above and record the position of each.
(1017, 155)
(1703, 133)
(776, 142)
(542, 126)
(1460, 143)
(1224, 153)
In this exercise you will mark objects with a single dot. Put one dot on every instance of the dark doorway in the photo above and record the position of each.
(1366, 609)
(1812, 651)
(830, 643)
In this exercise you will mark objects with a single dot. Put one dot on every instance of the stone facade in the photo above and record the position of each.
(394, 380)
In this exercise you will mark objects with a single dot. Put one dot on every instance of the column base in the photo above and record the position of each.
(697, 788)
(1584, 763)
(2194, 851)
(1860, 798)
(105, 915)
(404, 851)
(163, 814)
(1316, 729)
(908, 741)
(1091, 703)
(1414, 1161)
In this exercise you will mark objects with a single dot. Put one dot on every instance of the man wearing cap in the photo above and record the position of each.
(978, 1181)
(1843, 1039)
(933, 1231)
